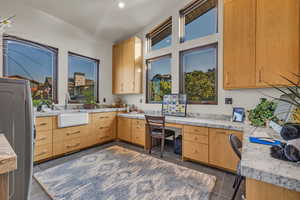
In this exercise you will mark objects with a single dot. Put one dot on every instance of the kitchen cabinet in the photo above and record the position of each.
(138, 132)
(44, 137)
(261, 42)
(127, 67)
(124, 129)
(220, 150)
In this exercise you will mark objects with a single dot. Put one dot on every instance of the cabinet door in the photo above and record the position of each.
(138, 132)
(239, 44)
(128, 64)
(220, 150)
(124, 129)
(117, 69)
(277, 41)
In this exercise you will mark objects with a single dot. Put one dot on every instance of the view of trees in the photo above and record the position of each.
(159, 86)
(201, 86)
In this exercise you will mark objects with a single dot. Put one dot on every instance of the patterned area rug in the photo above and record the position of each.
(117, 173)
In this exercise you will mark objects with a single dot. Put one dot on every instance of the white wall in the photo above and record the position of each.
(38, 26)
(246, 98)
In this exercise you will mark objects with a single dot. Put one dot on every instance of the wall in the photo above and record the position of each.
(246, 98)
(43, 28)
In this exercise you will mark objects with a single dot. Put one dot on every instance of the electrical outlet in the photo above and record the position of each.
(228, 101)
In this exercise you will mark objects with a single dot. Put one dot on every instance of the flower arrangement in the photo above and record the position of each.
(5, 23)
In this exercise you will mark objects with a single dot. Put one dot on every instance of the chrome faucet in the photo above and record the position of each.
(67, 99)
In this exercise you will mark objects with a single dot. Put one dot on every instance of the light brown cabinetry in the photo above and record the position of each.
(195, 143)
(138, 132)
(127, 67)
(44, 137)
(124, 129)
(261, 42)
(220, 150)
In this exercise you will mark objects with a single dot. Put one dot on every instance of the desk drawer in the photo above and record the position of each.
(201, 139)
(196, 130)
(43, 124)
(43, 137)
(195, 151)
(65, 134)
(42, 152)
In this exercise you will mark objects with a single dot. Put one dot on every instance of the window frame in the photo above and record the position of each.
(70, 53)
(159, 28)
(181, 73)
(147, 76)
(182, 14)
(39, 45)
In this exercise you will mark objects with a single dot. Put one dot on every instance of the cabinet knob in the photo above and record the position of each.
(43, 124)
(74, 133)
(73, 146)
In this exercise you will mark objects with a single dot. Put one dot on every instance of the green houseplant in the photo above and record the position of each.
(90, 100)
(262, 113)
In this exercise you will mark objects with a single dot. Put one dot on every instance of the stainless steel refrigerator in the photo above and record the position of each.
(16, 122)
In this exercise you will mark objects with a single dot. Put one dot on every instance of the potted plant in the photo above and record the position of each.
(262, 113)
(90, 100)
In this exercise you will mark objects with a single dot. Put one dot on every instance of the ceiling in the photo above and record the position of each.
(103, 18)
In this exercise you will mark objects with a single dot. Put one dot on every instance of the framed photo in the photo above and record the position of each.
(238, 114)
(174, 105)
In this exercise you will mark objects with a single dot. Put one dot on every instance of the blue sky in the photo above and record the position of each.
(161, 66)
(30, 62)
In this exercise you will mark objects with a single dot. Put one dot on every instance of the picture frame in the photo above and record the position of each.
(174, 105)
(238, 114)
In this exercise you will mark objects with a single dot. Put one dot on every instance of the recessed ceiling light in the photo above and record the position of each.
(121, 4)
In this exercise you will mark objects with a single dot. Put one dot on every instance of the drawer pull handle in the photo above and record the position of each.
(74, 133)
(42, 138)
(103, 117)
(42, 153)
(223, 133)
(43, 124)
(73, 146)
(104, 137)
(102, 127)
(3, 162)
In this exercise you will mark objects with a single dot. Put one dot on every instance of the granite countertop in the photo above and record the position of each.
(8, 158)
(211, 123)
(258, 164)
(57, 112)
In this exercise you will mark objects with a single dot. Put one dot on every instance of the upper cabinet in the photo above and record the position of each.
(261, 42)
(127, 67)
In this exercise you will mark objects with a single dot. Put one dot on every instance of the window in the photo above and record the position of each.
(161, 36)
(159, 81)
(34, 62)
(199, 75)
(83, 78)
(199, 19)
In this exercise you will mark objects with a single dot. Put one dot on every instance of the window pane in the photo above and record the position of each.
(161, 43)
(159, 79)
(203, 25)
(83, 79)
(199, 75)
(29, 61)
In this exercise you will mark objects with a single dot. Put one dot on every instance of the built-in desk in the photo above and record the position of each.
(203, 140)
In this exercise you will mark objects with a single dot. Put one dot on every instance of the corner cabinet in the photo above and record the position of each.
(127, 67)
(261, 42)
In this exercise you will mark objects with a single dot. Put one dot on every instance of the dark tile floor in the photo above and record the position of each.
(222, 191)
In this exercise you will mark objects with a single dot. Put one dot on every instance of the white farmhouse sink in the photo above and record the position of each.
(72, 119)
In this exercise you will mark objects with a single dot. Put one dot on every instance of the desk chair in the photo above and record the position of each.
(236, 145)
(155, 126)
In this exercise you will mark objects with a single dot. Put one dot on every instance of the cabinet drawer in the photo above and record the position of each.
(42, 152)
(138, 137)
(175, 125)
(202, 139)
(43, 137)
(67, 146)
(98, 117)
(196, 130)
(138, 124)
(43, 124)
(65, 134)
(195, 151)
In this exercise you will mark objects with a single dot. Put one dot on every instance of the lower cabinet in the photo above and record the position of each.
(124, 129)
(220, 150)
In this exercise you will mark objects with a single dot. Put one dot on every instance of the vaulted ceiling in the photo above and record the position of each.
(103, 18)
